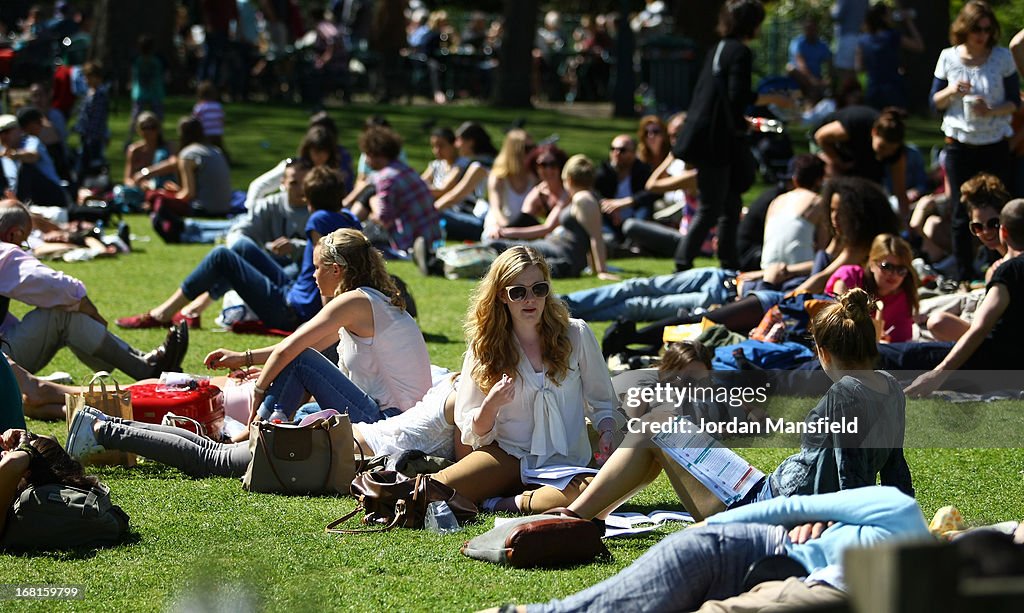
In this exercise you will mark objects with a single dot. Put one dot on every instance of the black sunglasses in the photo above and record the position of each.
(620, 149)
(982, 29)
(548, 164)
(893, 268)
(518, 293)
(978, 228)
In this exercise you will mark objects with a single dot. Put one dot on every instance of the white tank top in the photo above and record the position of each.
(392, 367)
(788, 240)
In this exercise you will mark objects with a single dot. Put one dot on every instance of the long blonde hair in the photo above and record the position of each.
(361, 264)
(489, 325)
(511, 160)
(882, 247)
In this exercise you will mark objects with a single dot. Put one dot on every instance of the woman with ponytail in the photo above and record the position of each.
(862, 399)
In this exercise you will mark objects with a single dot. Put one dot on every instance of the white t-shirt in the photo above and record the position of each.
(393, 367)
(986, 81)
(422, 427)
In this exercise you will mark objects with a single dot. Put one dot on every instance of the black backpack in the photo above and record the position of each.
(56, 516)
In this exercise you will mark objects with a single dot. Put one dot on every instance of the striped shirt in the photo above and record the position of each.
(211, 115)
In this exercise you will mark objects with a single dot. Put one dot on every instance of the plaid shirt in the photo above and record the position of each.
(406, 205)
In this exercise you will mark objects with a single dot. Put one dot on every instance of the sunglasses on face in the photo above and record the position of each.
(615, 149)
(982, 29)
(518, 293)
(547, 164)
(654, 131)
(893, 269)
(990, 226)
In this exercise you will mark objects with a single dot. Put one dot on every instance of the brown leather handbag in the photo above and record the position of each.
(547, 540)
(392, 500)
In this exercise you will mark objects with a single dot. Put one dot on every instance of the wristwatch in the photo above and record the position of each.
(145, 171)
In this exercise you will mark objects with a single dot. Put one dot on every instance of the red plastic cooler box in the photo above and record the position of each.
(205, 404)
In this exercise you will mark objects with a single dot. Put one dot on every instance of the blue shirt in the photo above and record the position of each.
(815, 53)
(864, 517)
(304, 296)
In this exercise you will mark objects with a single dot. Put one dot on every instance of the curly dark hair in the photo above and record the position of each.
(740, 18)
(864, 211)
(53, 465)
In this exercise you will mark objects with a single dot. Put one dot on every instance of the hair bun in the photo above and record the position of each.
(857, 304)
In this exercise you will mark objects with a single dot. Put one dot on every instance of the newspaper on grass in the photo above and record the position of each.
(728, 476)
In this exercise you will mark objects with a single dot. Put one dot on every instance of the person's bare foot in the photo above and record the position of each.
(38, 393)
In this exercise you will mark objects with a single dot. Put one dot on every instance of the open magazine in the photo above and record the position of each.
(625, 524)
(728, 476)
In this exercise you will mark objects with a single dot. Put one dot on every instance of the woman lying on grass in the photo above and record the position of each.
(27, 459)
(532, 377)
(428, 426)
(845, 339)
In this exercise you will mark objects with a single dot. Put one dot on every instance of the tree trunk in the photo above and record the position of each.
(933, 22)
(698, 20)
(118, 25)
(512, 88)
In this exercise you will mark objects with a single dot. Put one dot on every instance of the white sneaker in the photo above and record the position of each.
(58, 377)
(81, 437)
(98, 414)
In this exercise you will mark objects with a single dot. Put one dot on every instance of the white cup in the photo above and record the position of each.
(969, 102)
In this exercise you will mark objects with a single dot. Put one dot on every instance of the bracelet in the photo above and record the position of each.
(259, 390)
(248, 359)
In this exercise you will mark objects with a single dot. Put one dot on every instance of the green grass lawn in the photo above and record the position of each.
(208, 539)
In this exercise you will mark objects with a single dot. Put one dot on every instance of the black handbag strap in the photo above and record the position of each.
(270, 461)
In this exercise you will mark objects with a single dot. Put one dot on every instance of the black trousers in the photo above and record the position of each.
(962, 163)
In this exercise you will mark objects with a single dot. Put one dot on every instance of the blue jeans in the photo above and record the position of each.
(205, 231)
(681, 572)
(250, 271)
(462, 226)
(653, 298)
(311, 372)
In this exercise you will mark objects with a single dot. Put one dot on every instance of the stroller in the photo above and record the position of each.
(770, 143)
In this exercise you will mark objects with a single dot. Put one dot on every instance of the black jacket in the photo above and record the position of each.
(607, 183)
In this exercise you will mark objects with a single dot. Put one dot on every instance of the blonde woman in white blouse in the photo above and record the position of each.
(533, 376)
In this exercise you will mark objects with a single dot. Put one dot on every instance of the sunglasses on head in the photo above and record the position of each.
(891, 268)
(978, 228)
(518, 293)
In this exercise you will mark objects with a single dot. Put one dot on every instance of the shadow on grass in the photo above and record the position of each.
(437, 338)
(75, 553)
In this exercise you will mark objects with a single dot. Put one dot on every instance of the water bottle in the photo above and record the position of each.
(279, 416)
(443, 236)
(440, 519)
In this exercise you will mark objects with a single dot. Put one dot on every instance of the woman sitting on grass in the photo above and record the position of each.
(383, 368)
(892, 280)
(532, 377)
(428, 426)
(572, 231)
(845, 340)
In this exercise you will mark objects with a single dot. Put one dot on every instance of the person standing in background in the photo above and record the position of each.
(977, 88)
(847, 17)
